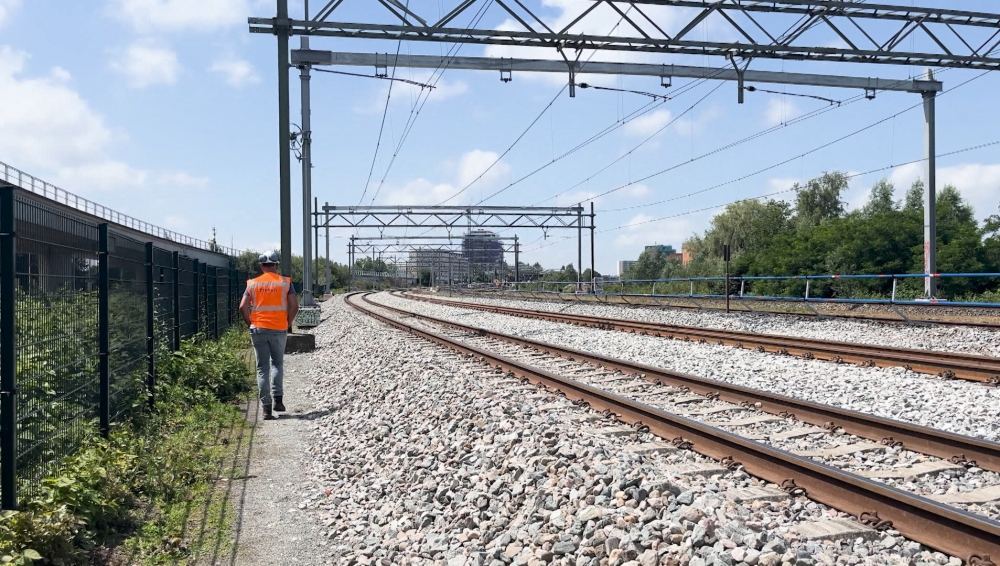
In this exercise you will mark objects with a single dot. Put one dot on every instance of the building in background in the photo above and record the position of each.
(624, 265)
(446, 266)
(483, 252)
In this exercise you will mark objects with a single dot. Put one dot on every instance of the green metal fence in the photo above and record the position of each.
(84, 310)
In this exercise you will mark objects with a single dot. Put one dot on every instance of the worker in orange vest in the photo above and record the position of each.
(269, 306)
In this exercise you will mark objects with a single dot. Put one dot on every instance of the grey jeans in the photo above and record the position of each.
(269, 347)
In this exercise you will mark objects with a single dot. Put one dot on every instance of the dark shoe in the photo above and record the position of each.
(278, 405)
(268, 415)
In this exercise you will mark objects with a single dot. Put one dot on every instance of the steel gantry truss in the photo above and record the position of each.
(951, 34)
(436, 252)
(861, 33)
(452, 219)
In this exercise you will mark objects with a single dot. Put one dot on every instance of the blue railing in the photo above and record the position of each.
(739, 288)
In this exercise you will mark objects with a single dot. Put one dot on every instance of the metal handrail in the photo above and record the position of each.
(33, 184)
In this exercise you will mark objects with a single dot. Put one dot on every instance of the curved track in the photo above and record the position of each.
(950, 365)
(934, 524)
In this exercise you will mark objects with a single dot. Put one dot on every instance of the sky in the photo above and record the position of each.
(166, 110)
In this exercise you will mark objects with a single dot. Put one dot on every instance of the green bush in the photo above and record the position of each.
(152, 460)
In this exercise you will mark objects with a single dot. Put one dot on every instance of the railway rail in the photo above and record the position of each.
(702, 303)
(932, 523)
(948, 365)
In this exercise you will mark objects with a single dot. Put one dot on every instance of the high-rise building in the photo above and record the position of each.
(482, 247)
(624, 265)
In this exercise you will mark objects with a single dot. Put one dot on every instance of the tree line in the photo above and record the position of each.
(817, 235)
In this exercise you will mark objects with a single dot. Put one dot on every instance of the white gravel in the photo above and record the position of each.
(956, 406)
(427, 457)
(970, 340)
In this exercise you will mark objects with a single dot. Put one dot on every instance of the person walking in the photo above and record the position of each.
(269, 306)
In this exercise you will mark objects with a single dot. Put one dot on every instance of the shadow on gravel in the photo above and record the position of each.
(310, 416)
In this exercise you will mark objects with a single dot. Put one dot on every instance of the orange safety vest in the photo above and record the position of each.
(269, 295)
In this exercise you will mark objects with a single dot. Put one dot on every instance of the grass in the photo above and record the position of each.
(159, 490)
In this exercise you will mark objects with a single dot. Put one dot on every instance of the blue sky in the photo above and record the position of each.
(167, 110)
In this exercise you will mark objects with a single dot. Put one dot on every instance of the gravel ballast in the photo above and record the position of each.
(422, 456)
(956, 406)
(965, 339)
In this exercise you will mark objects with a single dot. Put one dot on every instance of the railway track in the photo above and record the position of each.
(719, 305)
(933, 523)
(949, 365)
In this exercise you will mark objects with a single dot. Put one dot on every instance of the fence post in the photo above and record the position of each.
(103, 330)
(215, 302)
(150, 319)
(197, 299)
(8, 352)
(177, 300)
(894, 280)
(234, 301)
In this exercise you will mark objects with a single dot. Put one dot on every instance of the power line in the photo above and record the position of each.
(636, 148)
(533, 122)
(773, 166)
(415, 110)
(795, 188)
(381, 129)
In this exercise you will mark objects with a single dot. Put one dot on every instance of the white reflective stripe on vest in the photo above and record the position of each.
(285, 284)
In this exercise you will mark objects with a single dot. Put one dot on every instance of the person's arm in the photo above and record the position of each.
(293, 309)
(245, 308)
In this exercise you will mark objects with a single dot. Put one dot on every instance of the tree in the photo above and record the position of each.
(915, 196)
(880, 200)
(820, 199)
(649, 265)
(747, 226)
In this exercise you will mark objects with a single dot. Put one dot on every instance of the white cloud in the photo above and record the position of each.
(101, 175)
(979, 183)
(180, 179)
(175, 222)
(7, 8)
(237, 72)
(43, 122)
(640, 232)
(145, 64)
(469, 167)
(474, 163)
(49, 130)
(776, 184)
(175, 15)
(780, 110)
(639, 190)
(648, 124)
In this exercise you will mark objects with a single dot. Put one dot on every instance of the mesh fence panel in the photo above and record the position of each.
(224, 300)
(211, 301)
(57, 337)
(163, 299)
(57, 302)
(127, 324)
(187, 287)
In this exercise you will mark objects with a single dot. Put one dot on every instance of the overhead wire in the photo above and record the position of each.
(526, 130)
(794, 188)
(415, 109)
(891, 117)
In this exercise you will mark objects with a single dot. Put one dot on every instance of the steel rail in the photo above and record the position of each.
(938, 526)
(946, 445)
(944, 364)
(620, 300)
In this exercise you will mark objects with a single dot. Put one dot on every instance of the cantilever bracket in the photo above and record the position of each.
(739, 74)
(572, 69)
